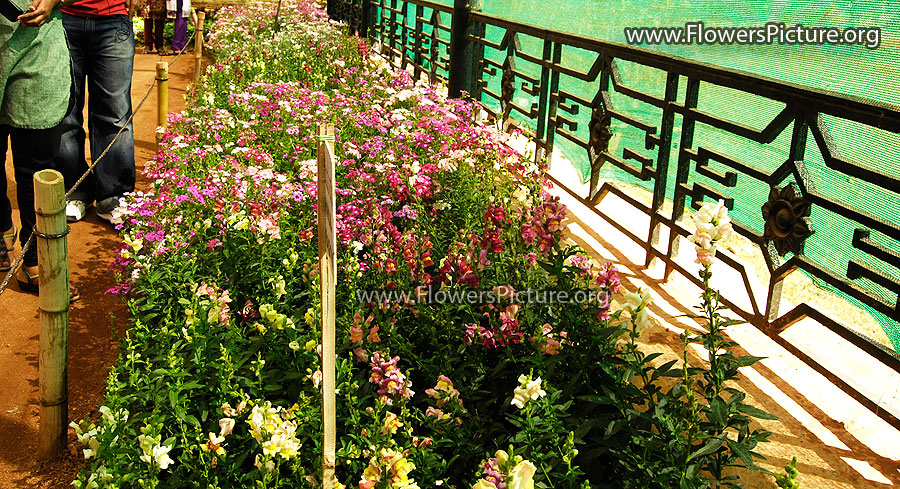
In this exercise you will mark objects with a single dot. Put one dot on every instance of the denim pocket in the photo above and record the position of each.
(125, 30)
(122, 35)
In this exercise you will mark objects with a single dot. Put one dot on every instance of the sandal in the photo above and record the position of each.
(30, 285)
(5, 261)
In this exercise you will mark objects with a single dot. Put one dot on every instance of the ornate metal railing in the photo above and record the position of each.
(450, 43)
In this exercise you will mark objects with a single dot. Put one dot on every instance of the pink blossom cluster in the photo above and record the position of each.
(392, 383)
(546, 226)
(608, 280)
(549, 342)
(506, 334)
(443, 392)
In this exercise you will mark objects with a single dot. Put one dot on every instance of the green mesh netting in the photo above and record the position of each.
(847, 69)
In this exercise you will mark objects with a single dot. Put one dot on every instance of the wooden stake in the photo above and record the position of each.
(328, 274)
(198, 45)
(162, 97)
(53, 304)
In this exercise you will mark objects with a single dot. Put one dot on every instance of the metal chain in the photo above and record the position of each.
(18, 261)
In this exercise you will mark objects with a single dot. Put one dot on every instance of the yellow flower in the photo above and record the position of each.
(484, 484)
(214, 444)
(372, 472)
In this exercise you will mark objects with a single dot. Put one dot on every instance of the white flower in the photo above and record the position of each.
(225, 426)
(158, 454)
(279, 286)
(528, 390)
(294, 345)
(521, 476)
(713, 225)
(636, 303)
(484, 484)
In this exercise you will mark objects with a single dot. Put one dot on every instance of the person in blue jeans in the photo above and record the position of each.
(101, 44)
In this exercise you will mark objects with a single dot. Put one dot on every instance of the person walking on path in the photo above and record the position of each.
(101, 44)
(154, 13)
(179, 7)
(35, 88)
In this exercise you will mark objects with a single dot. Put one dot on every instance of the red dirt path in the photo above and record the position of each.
(95, 321)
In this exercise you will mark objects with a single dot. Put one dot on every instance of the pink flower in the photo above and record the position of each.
(355, 334)
(373, 335)
(362, 356)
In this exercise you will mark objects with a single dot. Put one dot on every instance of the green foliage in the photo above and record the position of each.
(788, 479)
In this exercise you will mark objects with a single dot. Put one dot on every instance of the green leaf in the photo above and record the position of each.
(755, 412)
(742, 452)
(710, 447)
(717, 411)
(746, 361)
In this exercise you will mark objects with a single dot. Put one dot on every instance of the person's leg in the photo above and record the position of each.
(109, 107)
(5, 207)
(70, 157)
(6, 224)
(158, 32)
(180, 38)
(148, 35)
(33, 150)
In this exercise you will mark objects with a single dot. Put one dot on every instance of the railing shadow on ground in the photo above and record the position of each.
(793, 434)
(572, 93)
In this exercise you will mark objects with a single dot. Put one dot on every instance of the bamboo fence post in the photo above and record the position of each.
(328, 274)
(53, 304)
(162, 97)
(198, 44)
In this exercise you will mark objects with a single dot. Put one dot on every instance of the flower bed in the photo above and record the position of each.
(474, 349)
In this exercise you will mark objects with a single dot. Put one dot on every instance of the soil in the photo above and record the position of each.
(96, 321)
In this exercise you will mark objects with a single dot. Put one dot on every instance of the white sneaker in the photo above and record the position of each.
(109, 210)
(75, 210)
(113, 217)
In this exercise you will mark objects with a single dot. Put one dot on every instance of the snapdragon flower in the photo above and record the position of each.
(713, 226)
(528, 390)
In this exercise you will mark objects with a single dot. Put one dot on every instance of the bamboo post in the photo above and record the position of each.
(198, 44)
(162, 97)
(53, 304)
(328, 274)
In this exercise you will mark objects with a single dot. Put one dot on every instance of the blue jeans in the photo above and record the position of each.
(102, 50)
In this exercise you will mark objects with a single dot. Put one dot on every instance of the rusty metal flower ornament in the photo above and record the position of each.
(787, 219)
